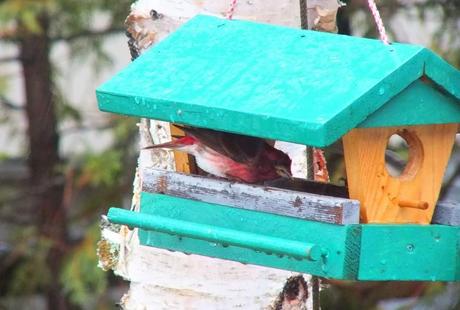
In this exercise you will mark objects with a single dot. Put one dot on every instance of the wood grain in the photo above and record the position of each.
(184, 162)
(307, 206)
(411, 197)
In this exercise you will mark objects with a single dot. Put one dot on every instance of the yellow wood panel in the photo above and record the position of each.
(411, 197)
(183, 161)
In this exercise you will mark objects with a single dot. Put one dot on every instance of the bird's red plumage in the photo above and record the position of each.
(233, 156)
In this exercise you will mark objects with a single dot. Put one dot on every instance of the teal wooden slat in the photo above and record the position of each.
(338, 244)
(418, 104)
(457, 272)
(367, 252)
(268, 81)
(410, 252)
(442, 73)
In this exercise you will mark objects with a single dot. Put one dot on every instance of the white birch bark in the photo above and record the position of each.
(322, 14)
(161, 279)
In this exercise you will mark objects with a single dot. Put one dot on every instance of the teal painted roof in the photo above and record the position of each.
(270, 81)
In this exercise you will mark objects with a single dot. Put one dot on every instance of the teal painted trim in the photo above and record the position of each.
(211, 233)
(269, 127)
(418, 104)
(409, 252)
(331, 241)
(375, 98)
(251, 78)
(365, 252)
(457, 274)
(353, 245)
(442, 73)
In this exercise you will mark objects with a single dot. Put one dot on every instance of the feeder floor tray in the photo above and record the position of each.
(350, 252)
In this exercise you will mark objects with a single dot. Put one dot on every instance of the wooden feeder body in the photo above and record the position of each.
(410, 197)
(309, 88)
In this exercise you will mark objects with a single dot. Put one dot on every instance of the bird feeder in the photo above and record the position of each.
(309, 88)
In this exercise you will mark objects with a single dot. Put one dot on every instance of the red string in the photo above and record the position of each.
(231, 9)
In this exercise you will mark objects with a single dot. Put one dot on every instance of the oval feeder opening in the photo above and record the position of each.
(403, 154)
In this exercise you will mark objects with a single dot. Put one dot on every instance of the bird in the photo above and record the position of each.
(232, 156)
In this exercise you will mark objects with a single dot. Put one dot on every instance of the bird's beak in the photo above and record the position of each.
(175, 144)
(167, 145)
(284, 172)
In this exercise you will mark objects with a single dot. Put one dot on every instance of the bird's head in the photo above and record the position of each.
(281, 162)
(283, 171)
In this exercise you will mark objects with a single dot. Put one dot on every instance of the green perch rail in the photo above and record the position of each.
(220, 235)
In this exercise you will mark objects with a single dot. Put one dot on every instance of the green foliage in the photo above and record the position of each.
(32, 272)
(98, 178)
(25, 12)
(124, 128)
(4, 156)
(82, 280)
(65, 110)
(90, 48)
(102, 169)
(3, 84)
(3, 88)
(81, 17)
(77, 15)
(67, 16)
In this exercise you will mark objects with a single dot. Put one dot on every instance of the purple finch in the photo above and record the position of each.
(232, 156)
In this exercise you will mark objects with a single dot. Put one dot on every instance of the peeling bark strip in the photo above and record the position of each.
(293, 296)
(253, 197)
(447, 213)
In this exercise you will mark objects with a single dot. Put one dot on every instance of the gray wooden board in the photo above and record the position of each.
(447, 213)
(307, 206)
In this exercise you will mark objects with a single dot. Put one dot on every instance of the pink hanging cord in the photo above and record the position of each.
(231, 9)
(378, 21)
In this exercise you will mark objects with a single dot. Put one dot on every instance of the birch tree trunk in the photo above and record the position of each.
(161, 279)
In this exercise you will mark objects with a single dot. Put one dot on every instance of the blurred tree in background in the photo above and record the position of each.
(52, 218)
(43, 255)
(440, 17)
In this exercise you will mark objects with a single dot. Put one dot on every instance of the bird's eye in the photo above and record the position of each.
(283, 171)
(154, 14)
